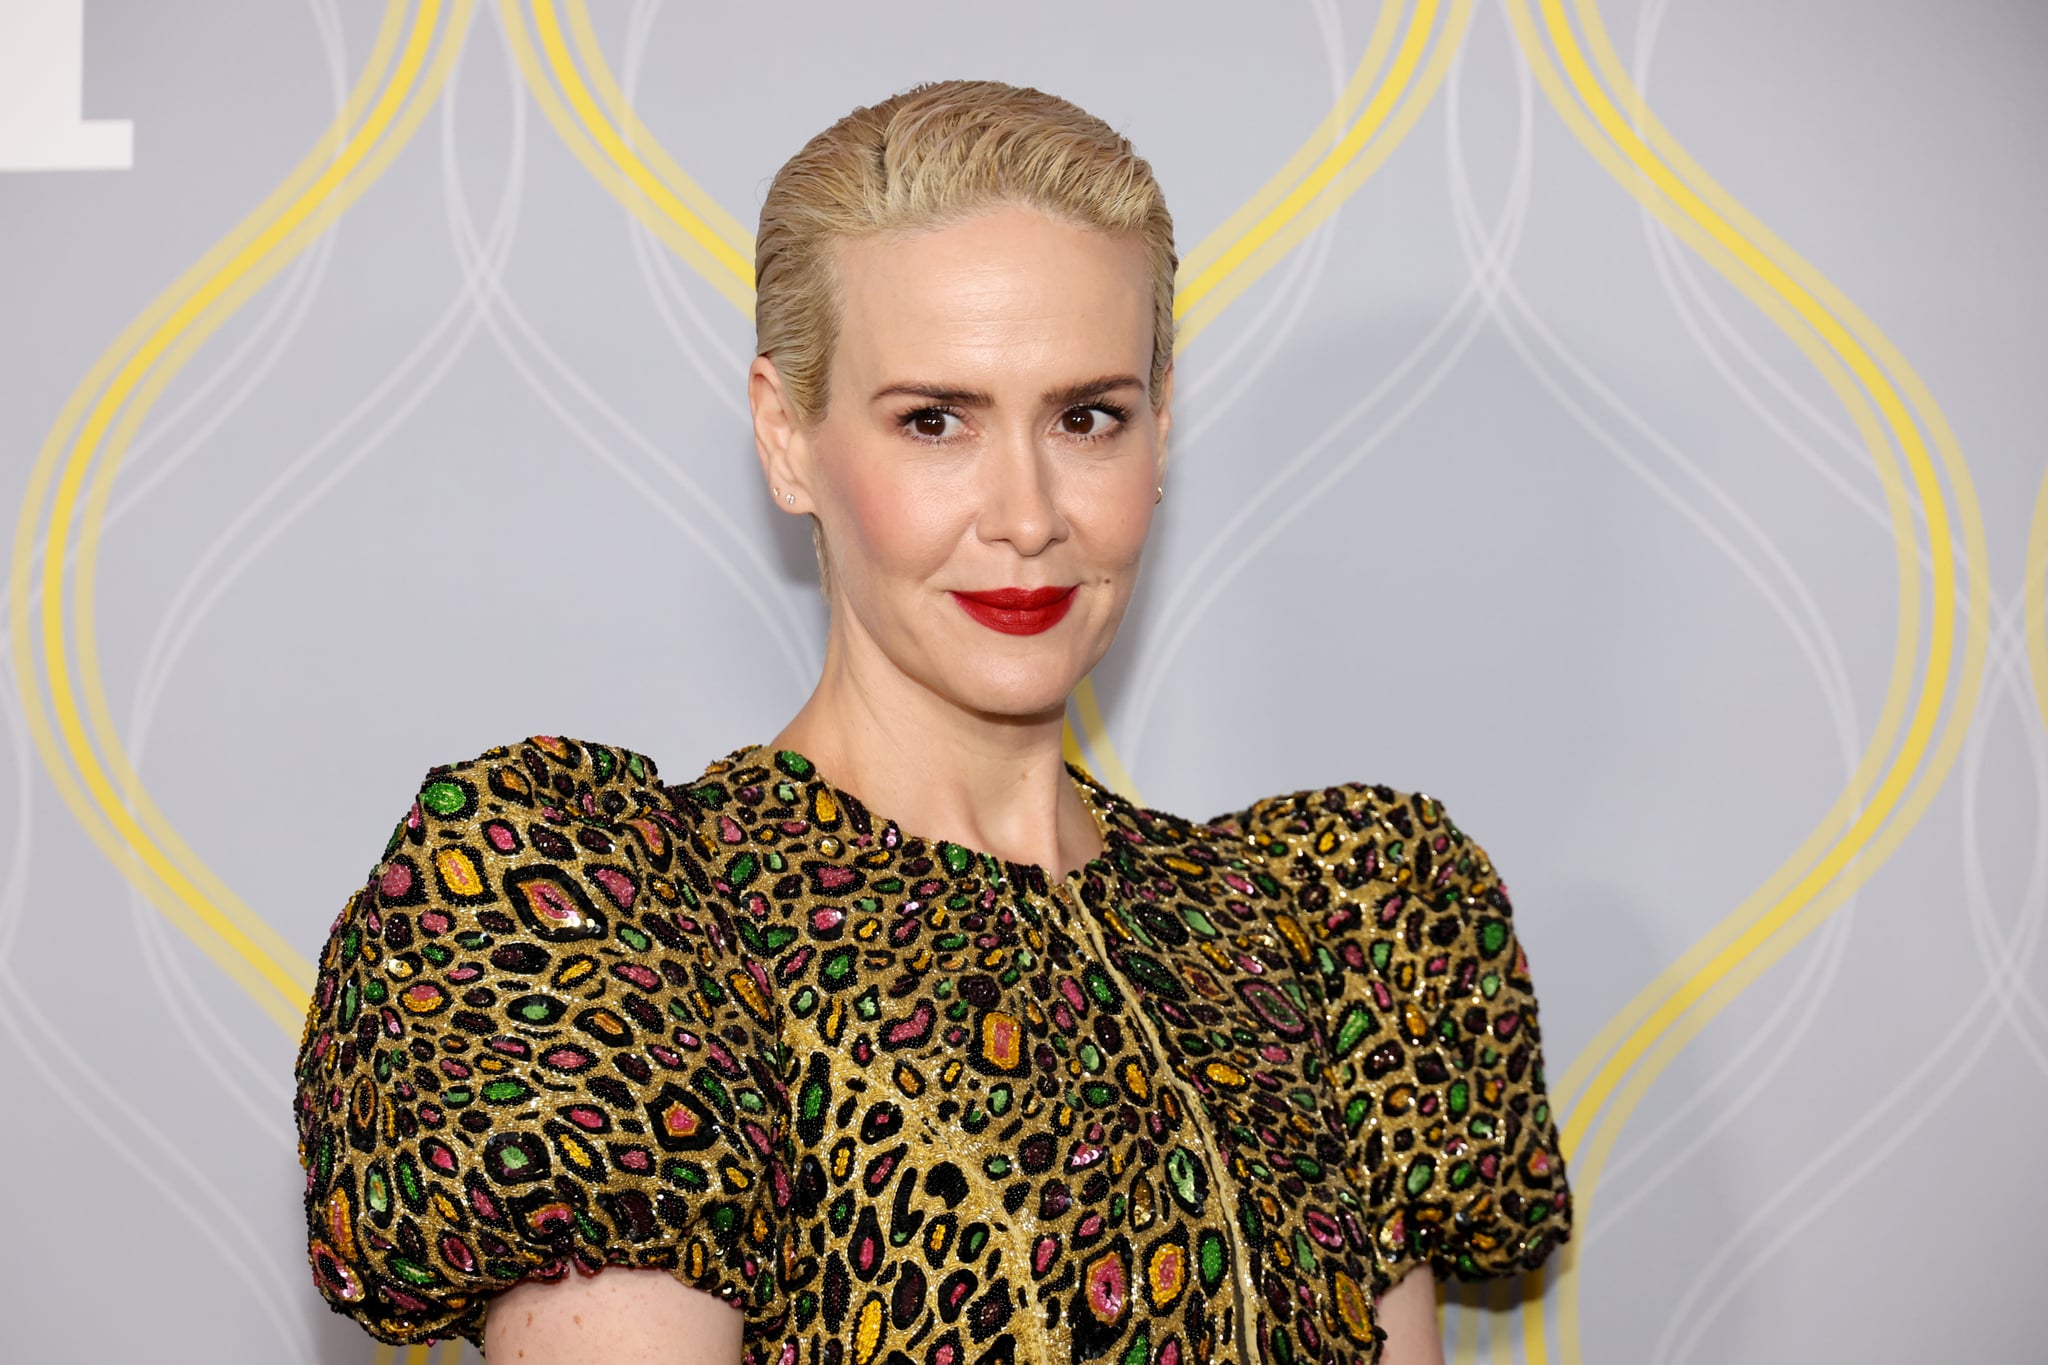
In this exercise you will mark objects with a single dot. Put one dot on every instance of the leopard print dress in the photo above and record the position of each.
(899, 1101)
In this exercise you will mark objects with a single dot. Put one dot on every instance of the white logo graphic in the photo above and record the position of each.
(42, 94)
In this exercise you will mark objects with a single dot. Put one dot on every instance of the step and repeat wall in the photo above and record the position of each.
(1617, 418)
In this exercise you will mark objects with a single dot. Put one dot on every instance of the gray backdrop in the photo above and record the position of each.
(1516, 461)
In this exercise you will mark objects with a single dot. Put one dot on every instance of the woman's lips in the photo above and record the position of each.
(1017, 611)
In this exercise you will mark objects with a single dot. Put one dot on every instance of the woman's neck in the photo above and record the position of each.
(997, 784)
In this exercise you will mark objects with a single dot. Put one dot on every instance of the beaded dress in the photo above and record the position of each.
(1200, 1100)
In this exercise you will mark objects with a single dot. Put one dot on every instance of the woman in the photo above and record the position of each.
(896, 1034)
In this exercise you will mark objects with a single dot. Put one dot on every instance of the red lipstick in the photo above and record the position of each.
(1017, 611)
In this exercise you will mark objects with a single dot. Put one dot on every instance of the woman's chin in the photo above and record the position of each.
(1013, 693)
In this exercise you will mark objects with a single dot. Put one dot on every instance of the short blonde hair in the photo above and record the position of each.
(932, 156)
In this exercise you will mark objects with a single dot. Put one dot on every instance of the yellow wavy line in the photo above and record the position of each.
(1285, 237)
(727, 265)
(168, 872)
(641, 140)
(1316, 146)
(2035, 601)
(1192, 289)
(1659, 1027)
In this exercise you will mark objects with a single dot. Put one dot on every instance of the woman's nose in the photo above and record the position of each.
(1018, 502)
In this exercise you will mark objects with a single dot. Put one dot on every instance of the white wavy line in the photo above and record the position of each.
(492, 302)
(173, 984)
(1288, 298)
(1198, 588)
(1682, 277)
(665, 285)
(1807, 992)
(40, 1039)
(1745, 1244)
(1995, 951)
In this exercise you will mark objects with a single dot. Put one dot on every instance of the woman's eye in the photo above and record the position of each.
(932, 423)
(1087, 421)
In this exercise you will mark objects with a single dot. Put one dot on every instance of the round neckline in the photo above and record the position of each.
(1100, 801)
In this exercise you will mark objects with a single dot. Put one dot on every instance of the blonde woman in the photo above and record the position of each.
(895, 1038)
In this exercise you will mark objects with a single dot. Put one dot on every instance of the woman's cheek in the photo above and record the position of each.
(906, 526)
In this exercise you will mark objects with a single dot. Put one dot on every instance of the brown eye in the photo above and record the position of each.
(931, 422)
(1079, 421)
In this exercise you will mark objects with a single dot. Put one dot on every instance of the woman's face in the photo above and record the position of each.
(986, 467)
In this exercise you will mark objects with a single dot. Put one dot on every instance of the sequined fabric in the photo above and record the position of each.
(898, 1101)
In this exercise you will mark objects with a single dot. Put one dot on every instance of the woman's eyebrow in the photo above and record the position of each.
(1064, 396)
(1093, 388)
(937, 393)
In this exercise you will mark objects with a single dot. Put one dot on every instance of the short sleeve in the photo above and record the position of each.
(1432, 1041)
(534, 1044)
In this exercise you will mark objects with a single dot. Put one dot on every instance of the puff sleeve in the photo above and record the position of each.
(535, 1044)
(1433, 1048)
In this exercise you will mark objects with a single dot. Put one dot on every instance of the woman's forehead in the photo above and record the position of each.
(1012, 292)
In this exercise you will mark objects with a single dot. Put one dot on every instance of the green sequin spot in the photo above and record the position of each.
(1098, 1095)
(1482, 1126)
(1199, 922)
(633, 938)
(835, 969)
(1304, 1254)
(409, 1186)
(958, 859)
(1489, 985)
(350, 1003)
(1140, 1352)
(869, 1005)
(604, 760)
(444, 798)
(793, 763)
(1209, 1259)
(1538, 1211)
(1493, 936)
(411, 1271)
(1382, 954)
(506, 1091)
(1182, 1177)
(806, 1001)
(1354, 1026)
(1091, 1059)
(1420, 1175)
(1098, 985)
(377, 1190)
(776, 862)
(1462, 1174)
(635, 764)
(972, 1240)
(456, 1096)
(999, 1100)
(997, 1167)
(1459, 1096)
(742, 869)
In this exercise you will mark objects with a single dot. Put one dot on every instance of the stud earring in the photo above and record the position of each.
(789, 498)
(1158, 492)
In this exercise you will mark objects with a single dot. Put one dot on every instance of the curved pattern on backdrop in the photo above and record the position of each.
(1958, 651)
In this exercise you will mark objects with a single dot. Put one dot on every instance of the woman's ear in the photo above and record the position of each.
(779, 438)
